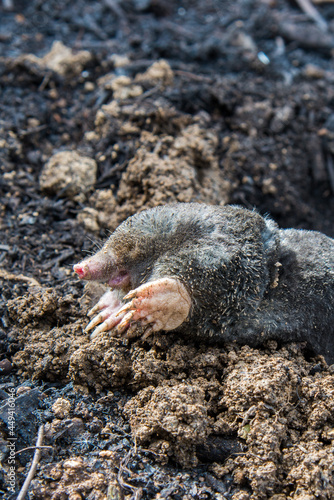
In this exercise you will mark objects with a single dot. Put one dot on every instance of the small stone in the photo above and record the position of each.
(89, 218)
(89, 87)
(75, 496)
(120, 61)
(75, 427)
(313, 71)
(22, 390)
(106, 454)
(61, 408)
(268, 186)
(5, 367)
(74, 463)
(95, 425)
(159, 72)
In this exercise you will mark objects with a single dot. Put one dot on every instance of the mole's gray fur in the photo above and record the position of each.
(249, 281)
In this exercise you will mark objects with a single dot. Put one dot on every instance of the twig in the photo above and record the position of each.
(136, 492)
(193, 76)
(33, 130)
(149, 92)
(122, 468)
(113, 5)
(45, 81)
(312, 13)
(33, 466)
(17, 277)
(34, 448)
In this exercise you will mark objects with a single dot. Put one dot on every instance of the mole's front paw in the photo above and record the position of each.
(163, 304)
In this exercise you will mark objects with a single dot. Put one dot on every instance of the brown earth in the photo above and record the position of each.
(144, 103)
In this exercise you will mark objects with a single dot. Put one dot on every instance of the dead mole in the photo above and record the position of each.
(218, 273)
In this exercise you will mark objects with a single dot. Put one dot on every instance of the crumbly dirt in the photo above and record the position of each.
(109, 108)
(274, 405)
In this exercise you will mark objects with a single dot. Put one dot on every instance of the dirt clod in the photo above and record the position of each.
(68, 173)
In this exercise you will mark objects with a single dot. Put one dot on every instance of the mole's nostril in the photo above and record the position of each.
(79, 269)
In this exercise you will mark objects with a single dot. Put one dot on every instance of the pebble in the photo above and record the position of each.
(5, 367)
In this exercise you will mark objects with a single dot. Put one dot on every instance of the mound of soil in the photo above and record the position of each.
(109, 108)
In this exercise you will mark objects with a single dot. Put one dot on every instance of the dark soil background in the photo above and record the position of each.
(108, 108)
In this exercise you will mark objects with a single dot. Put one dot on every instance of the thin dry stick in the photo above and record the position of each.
(309, 9)
(17, 277)
(34, 448)
(33, 466)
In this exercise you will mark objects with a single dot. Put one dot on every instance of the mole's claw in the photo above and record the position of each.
(124, 309)
(130, 295)
(95, 321)
(107, 325)
(93, 310)
(106, 321)
(101, 328)
(123, 325)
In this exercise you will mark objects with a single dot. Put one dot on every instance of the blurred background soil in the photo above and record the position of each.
(111, 107)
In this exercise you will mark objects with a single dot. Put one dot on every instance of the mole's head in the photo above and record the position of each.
(106, 267)
(127, 257)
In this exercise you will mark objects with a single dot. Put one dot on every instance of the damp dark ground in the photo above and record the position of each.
(110, 107)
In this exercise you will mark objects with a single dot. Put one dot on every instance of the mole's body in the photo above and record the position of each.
(221, 273)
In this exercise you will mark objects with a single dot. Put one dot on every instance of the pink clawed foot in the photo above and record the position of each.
(163, 304)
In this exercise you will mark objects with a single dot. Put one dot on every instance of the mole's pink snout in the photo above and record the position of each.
(81, 270)
(98, 267)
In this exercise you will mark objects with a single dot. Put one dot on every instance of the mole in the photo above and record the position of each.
(221, 274)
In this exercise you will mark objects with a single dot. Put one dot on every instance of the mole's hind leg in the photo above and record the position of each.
(163, 304)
